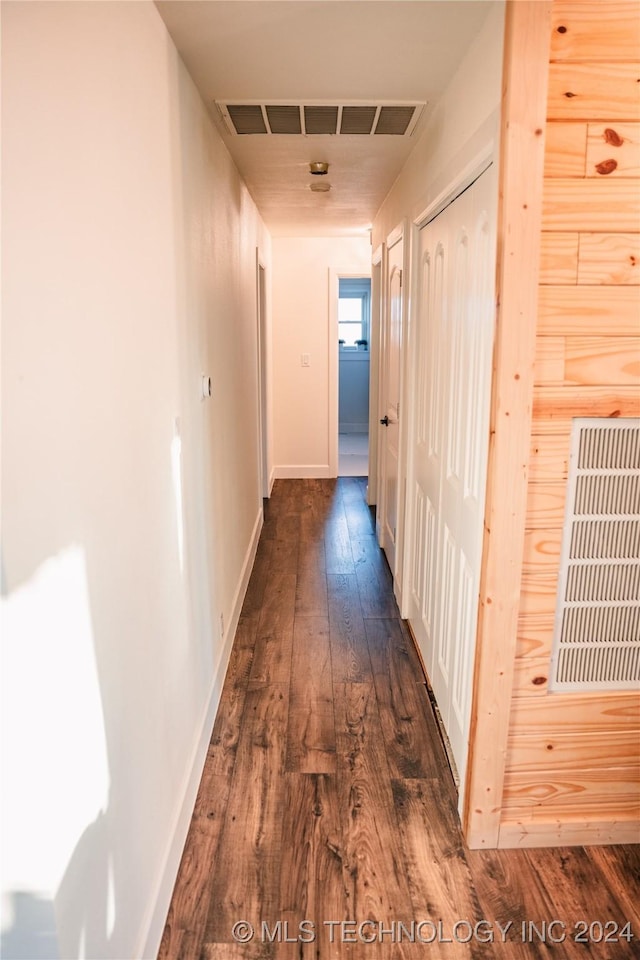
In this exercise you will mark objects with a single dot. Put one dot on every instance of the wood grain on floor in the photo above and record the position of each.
(327, 816)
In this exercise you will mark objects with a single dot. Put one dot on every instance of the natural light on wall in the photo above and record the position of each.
(55, 771)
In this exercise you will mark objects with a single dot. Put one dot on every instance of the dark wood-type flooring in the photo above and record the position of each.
(326, 794)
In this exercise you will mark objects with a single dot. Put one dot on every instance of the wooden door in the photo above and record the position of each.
(450, 445)
(390, 423)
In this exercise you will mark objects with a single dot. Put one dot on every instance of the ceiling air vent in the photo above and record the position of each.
(358, 119)
(394, 120)
(284, 119)
(247, 118)
(312, 118)
(597, 629)
(320, 119)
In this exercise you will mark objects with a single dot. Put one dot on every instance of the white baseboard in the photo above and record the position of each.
(159, 906)
(303, 471)
(272, 479)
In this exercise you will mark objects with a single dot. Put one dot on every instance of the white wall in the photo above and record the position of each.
(462, 122)
(462, 125)
(302, 396)
(130, 506)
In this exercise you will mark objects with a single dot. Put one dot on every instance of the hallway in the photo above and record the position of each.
(353, 454)
(326, 795)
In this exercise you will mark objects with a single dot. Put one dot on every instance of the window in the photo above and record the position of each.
(354, 306)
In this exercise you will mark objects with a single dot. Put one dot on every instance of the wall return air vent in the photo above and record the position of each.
(597, 627)
(243, 117)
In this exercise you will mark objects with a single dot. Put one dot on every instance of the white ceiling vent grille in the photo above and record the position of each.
(247, 118)
(355, 118)
(394, 120)
(597, 628)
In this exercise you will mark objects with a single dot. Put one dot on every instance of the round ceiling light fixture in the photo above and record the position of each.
(318, 168)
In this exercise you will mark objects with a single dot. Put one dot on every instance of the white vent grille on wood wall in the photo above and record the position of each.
(597, 629)
(355, 118)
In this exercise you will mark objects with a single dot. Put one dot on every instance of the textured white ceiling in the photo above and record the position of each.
(340, 50)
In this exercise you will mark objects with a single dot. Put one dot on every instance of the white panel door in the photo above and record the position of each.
(452, 375)
(391, 386)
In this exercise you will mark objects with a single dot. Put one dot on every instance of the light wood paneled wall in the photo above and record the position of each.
(573, 760)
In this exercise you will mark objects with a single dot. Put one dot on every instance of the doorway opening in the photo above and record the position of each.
(354, 338)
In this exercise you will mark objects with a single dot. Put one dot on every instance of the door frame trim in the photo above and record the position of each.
(335, 275)
(266, 481)
(520, 198)
(400, 233)
(373, 487)
(461, 182)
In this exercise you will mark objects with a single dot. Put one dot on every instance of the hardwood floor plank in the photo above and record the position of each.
(285, 498)
(284, 556)
(349, 652)
(411, 740)
(274, 633)
(311, 591)
(376, 875)
(189, 906)
(412, 652)
(359, 519)
(375, 584)
(434, 860)
(255, 950)
(272, 658)
(339, 558)
(278, 605)
(313, 876)
(285, 526)
(311, 526)
(352, 489)
(568, 875)
(545, 884)
(221, 754)
(259, 577)
(311, 744)
(247, 628)
(332, 506)
(325, 788)
(619, 868)
(247, 869)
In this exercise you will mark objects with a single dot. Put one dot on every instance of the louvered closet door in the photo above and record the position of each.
(450, 444)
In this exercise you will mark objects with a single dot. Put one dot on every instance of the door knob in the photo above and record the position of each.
(385, 421)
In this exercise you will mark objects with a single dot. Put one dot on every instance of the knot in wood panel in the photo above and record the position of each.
(606, 167)
(612, 137)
